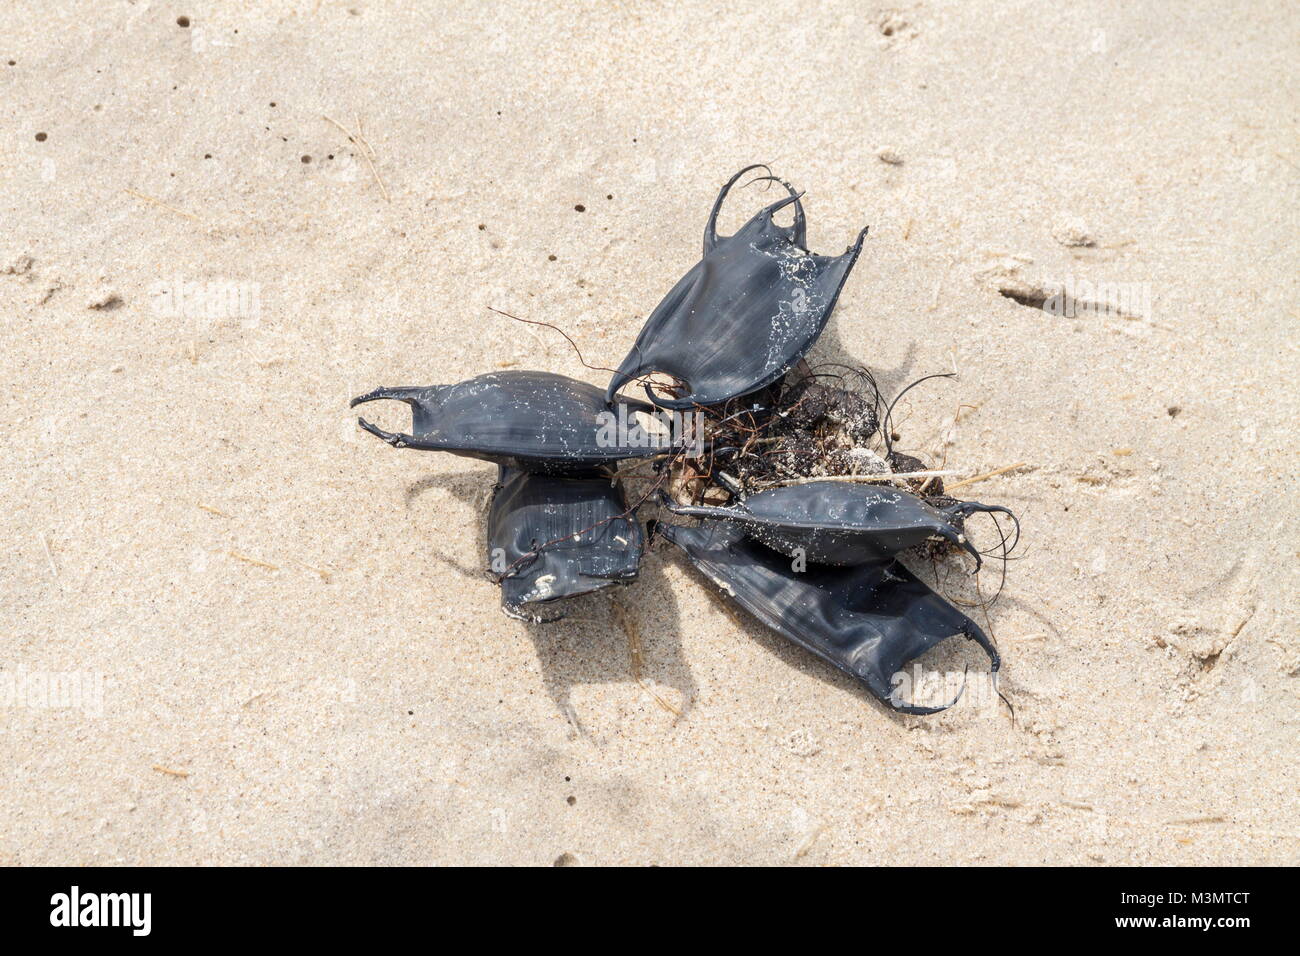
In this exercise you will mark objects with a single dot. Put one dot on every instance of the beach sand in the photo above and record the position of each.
(237, 630)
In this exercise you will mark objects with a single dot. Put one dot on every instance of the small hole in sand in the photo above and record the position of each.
(41, 137)
(183, 22)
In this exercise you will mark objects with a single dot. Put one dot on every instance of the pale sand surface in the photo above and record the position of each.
(358, 697)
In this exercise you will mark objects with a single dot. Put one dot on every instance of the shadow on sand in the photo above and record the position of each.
(591, 643)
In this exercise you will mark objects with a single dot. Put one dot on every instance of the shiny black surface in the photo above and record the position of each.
(556, 537)
(747, 311)
(869, 620)
(536, 421)
(834, 522)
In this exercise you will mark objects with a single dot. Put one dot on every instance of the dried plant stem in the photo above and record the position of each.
(989, 474)
(159, 202)
(638, 658)
(367, 152)
(254, 561)
(867, 478)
